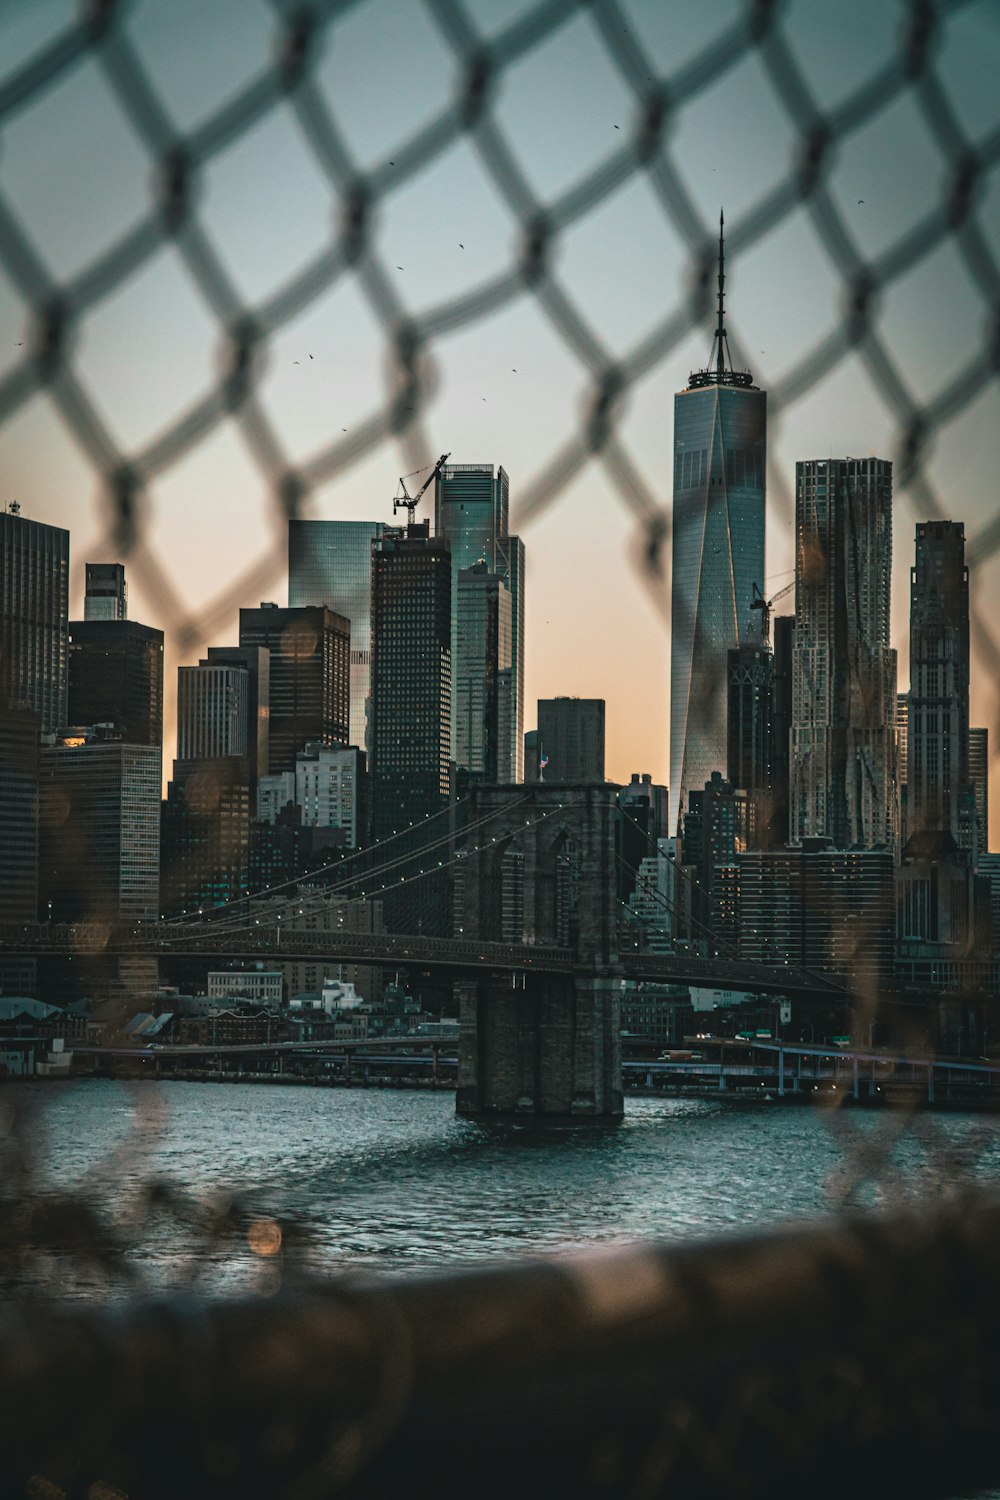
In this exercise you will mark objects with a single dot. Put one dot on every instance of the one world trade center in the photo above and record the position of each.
(720, 436)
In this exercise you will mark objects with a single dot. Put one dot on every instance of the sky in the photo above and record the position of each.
(506, 388)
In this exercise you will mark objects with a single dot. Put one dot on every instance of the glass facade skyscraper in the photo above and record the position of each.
(720, 434)
(330, 562)
(471, 509)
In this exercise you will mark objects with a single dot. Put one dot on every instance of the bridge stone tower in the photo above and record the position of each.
(540, 867)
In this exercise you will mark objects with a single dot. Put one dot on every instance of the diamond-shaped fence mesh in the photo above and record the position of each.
(660, 95)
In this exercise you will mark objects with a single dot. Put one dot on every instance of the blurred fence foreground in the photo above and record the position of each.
(863, 1358)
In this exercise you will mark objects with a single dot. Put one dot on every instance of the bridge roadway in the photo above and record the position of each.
(460, 955)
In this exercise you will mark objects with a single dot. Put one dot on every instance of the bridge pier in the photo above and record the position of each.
(548, 1048)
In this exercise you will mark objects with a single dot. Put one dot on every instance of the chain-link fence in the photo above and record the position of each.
(661, 94)
(49, 315)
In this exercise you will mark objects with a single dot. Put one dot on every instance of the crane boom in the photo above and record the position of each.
(408, 502)
(765, 606)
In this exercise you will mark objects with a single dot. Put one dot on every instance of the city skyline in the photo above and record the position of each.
(507, 392)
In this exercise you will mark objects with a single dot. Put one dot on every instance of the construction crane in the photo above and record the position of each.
(406, 501)
(765, 606)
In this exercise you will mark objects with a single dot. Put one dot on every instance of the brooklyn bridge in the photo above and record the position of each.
(535, 955)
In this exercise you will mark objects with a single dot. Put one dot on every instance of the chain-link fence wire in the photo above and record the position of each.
(178, 161)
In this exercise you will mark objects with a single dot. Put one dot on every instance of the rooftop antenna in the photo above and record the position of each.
(722, 345)
(719, 370)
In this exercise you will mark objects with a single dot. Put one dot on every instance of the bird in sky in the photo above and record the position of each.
(399, 268)
(513, 372)
(460, 245)
(618, 127)
(310, 356)
(343, 429)
(294, 361)
(861, 200)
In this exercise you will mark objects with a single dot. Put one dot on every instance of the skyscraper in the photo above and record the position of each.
(411, 677)
(100, 829)
(783, 633)
(116, 677)
(938, 703)
(471, 506)
(720, 427)
(106, 597)
(34, 617)
(206, 834)
(843, 769)
(256, 661)
(212, 711)
(330, 562)
(571, 739)
(309, 676)
(481, 670)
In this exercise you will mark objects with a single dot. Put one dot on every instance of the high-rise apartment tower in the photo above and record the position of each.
(843, 752)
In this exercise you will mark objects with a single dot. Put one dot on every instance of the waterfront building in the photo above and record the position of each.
(720, 426)
(18, 816)
(938, 703)
(471, 510)
(116, 677)
(481, 666)
(99, 811)
(264, 987)
(571, 739)
(106, 596)
(34, 617)
(310, 649)
(330, 563)
(843, 751)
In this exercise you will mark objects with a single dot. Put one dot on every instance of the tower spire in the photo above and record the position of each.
(719, 370)
(720, 333)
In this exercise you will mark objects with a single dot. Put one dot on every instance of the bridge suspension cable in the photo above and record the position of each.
(245, 923)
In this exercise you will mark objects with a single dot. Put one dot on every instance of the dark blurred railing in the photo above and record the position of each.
(860, 1357)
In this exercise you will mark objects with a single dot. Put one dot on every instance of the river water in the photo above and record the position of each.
(387, 1179)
